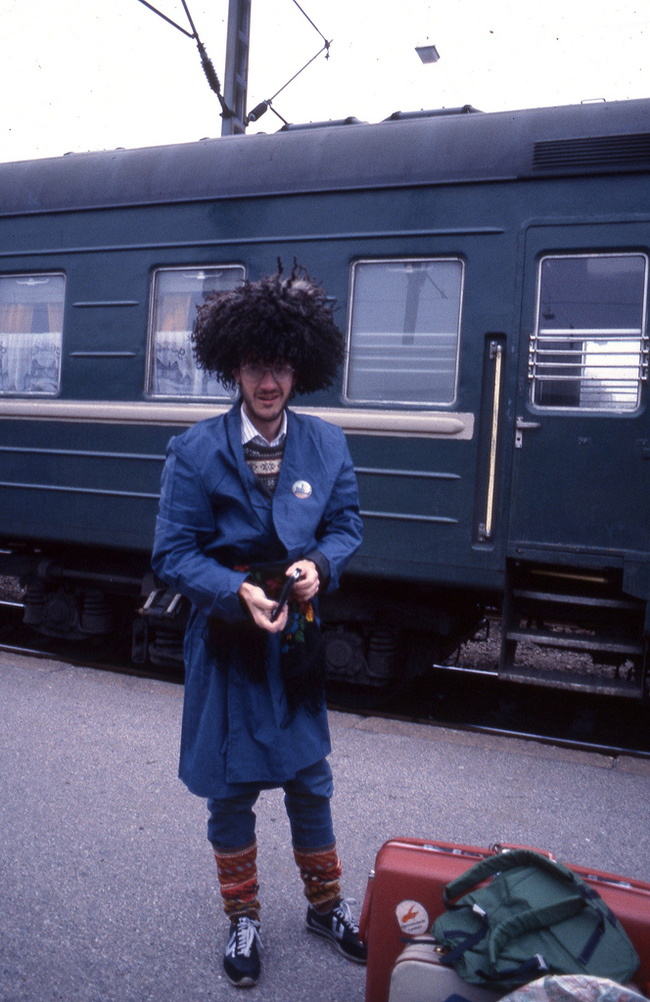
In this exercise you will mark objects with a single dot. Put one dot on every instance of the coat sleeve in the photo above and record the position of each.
(184, 527)
(340, 532)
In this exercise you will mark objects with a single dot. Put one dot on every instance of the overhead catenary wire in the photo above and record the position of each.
(206, 62)
(165, 18)
(259, 109)
(327, 44)
(262, 107)
(211, 74)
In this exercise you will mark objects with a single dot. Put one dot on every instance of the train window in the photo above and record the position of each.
(31, 325)
(590, 347)
(404, 331)
(177, 292)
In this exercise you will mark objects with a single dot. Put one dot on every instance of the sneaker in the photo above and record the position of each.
(339, 926)
(242, 961)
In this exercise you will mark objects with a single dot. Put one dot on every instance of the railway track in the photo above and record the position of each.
(467, 696)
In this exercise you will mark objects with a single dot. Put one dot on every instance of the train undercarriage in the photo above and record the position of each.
(377, 640)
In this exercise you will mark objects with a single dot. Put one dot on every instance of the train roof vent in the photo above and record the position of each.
(399, 116)
(332, 123)
(598, 151)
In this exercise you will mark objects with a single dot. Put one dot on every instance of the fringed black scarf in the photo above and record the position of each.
(243, 646)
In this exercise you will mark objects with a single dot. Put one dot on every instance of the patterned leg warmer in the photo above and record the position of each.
(320, 870)
(237, 872)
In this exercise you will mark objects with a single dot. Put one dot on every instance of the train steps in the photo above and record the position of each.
(583, 613)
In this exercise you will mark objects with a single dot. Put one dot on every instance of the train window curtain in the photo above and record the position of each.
(31, 331)
(177, 292)
(590, 348)
(404, 331)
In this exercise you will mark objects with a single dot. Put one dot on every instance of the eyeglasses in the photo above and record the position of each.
(255, 371)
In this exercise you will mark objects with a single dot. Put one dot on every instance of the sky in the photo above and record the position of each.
(81, 75)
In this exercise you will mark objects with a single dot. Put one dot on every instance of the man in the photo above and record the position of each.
(248, 499)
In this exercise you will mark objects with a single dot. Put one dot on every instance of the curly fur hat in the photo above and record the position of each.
(275, 319)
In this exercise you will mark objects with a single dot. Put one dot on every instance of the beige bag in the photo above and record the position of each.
(418, 976)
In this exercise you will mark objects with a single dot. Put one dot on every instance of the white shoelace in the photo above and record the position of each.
(344, 911)
(242, 938)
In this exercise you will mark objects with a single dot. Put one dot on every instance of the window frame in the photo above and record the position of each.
(36, 275)
(641, 334)
(404, 260)
(149, 376)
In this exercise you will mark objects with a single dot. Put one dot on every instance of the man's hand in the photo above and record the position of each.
(308, 583)
(261, 607)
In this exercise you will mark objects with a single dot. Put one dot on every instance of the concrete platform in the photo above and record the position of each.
(108, 886)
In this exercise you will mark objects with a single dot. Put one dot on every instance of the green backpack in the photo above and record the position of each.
(534, 917)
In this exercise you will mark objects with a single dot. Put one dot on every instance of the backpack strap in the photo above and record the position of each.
(530, 921)
(505, 861)
(526, 921)
(468, 940)
(529, 970)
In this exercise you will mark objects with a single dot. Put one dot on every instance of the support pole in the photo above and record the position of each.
(236, 75)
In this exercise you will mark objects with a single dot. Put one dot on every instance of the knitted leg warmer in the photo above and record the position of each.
(237, 872)
(320, 870)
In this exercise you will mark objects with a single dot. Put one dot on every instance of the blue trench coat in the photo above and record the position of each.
(212, 518)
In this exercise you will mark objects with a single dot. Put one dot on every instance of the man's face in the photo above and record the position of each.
(265, 390)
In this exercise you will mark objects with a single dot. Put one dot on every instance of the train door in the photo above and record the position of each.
(581, 477)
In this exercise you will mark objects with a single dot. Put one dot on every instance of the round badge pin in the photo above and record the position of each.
(412, 917)
(301, 489)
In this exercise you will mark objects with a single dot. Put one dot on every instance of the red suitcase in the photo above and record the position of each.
(404, 896)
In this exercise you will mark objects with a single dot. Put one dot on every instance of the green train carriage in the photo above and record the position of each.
(490, 272)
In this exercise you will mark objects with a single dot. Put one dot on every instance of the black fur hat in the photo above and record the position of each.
(275, 319)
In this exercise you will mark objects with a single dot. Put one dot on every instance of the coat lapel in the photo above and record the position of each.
(303, 485)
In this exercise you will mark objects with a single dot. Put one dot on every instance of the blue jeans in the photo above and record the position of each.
(231, 824)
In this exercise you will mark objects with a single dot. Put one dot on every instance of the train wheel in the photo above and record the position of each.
(403, 667)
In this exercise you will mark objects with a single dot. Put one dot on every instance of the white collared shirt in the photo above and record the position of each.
(250, 432)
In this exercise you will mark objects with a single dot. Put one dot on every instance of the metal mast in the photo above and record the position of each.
(235, 84)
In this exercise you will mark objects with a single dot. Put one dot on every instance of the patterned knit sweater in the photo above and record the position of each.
(265, 461)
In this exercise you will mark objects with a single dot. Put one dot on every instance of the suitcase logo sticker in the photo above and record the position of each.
(413, 918)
